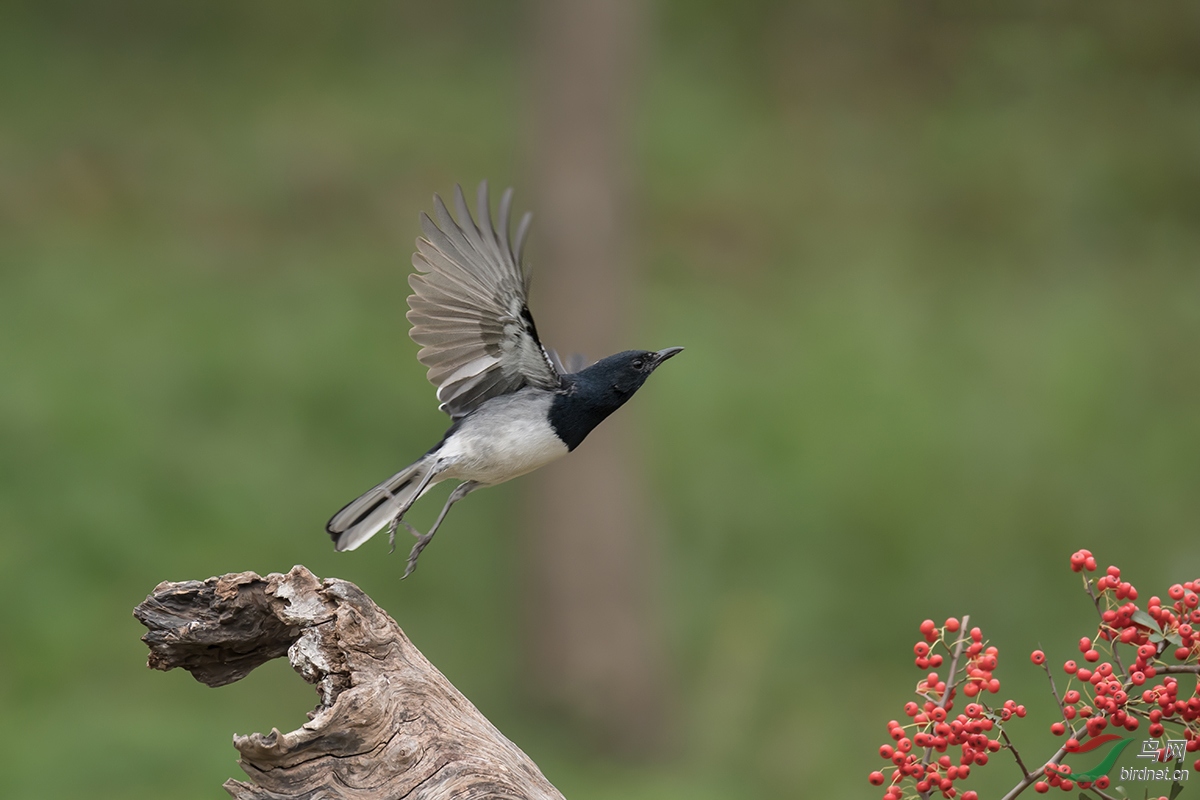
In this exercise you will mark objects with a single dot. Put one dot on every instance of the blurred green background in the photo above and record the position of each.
(935, 265)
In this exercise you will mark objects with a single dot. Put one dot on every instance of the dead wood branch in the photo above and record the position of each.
(388, 724)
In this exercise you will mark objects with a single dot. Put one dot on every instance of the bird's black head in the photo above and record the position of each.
(598, 390)
(616, 378)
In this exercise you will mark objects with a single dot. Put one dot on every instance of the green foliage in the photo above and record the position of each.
(935, 271)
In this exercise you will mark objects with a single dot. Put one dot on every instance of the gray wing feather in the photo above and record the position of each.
(469, 309)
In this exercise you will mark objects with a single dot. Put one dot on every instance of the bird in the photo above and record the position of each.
(513, 405)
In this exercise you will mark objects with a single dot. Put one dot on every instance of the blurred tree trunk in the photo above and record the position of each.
(591, 610)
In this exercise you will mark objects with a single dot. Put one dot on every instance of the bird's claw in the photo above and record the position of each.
(416, 552)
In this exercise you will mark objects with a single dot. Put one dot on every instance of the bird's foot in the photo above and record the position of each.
(396, 521)
(416, 551)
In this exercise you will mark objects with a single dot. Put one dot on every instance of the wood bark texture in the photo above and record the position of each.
(388, 724)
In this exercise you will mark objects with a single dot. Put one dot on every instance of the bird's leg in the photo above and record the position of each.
(399, 518)
(460, 491)
(392, 532)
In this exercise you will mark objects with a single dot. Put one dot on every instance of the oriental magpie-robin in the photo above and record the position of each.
(514, 406)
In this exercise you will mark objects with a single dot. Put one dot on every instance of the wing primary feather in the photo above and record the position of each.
(505, 211)
(453, 233)
(465, 220)
(486, 228)
(522, 231)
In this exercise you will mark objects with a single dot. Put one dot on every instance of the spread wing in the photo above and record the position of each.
(470, 311)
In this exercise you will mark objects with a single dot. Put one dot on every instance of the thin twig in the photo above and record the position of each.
(958, 648)
(1013, 749)
(1032, 778)
(1114, 640)
(1054, 690)
(1177, 669)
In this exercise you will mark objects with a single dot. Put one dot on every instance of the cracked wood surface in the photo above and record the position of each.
(388, 724)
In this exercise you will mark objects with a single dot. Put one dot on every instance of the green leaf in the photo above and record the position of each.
(1145, 620)
(1176, 786)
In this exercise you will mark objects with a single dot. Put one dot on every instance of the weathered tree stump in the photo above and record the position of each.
(388, 724)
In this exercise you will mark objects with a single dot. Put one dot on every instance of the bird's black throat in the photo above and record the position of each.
(574, 413)
(587, 397)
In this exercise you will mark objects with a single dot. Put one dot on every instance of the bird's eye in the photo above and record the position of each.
(638, 363)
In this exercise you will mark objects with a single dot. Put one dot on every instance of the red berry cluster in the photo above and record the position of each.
(1110, 687)
(1113, 693)
(933, 729)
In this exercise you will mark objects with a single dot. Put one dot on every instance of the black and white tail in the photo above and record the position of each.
(363, 518)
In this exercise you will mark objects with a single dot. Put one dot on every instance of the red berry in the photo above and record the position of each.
(952, 625)
(1092, 655)
(1175, 592)
(1058, 729)
(887, 751)
(1041, 787)
(1070, 667)
(1037, 657)
(876, 778)
(1085, 644)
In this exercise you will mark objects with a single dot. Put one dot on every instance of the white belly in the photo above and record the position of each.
(506, 437)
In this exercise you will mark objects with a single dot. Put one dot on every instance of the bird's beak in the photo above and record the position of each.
(663, 355)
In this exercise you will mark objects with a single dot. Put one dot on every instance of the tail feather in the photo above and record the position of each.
(365, 516)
